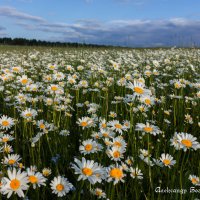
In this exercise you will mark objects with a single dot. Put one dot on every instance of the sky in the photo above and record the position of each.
(135, 23)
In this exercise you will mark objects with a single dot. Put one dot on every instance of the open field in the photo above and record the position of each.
(118, 124)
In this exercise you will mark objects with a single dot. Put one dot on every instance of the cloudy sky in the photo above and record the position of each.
(136, 23)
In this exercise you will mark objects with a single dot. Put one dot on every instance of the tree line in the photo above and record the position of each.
(34, 42)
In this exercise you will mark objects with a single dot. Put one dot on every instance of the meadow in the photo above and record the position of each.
(99, 123)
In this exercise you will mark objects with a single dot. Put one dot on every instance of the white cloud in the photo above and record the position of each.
(137, 32)
(11, 12)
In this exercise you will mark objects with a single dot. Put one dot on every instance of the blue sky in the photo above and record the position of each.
(115, 22)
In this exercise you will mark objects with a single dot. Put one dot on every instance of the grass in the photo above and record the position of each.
(102, 69)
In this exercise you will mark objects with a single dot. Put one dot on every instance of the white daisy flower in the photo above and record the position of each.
(46, 172)
(115, 173)
(60, 186)
(136, 173)
(129, 160)
(71, 80)
(167, 160)
(52, 66)
(42, 125)
(144, 153)
(89, 146)
(29, 113)
(11, 159)
(195, 180)
(88, 170)
(6, 138)
(6, 122)
(55, 89)
(116, 126)
(126, 123)
(99, 193)
(6, 149)
(174, 142)
(35, 178)
(106, 133)
(119, 142)
(102, 124)
(138, 88)
(83, 84)
(58, 76)
(187, 141)
(147, 100)
(147, 128)
(115, 153)
(85, 122)
(15, 183)
(24, 80)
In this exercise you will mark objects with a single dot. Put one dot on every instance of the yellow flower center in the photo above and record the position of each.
(15, 69)
(148, 129)
(187, 143)
(98, 193)
(116, 154)
(88, 147)
(71, 81)
(24, 81)
(87, 171)
(20, 165)
(177, 85)
(104, 125)
(194, 181)
(97, 175)
(134, 173)
(118, 144)
(52, 67)
(166, 161)
(126, 124)
(15, 184)
(28, 114)
(84, 83)
(11, 162)
(33, 179)
(138, 90)
(118, 126)
(148, 73)
(105, 134)
(5, 123)
(141, 109)
(46, 172)
(42, 126)
(7, 149)
(147, 101)
(54, 88)
(129, 162)
(84, 124)
(60, 187)
(5, 139)
(116, 173)
(48, 78)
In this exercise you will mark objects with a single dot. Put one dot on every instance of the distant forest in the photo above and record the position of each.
(34, 42)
